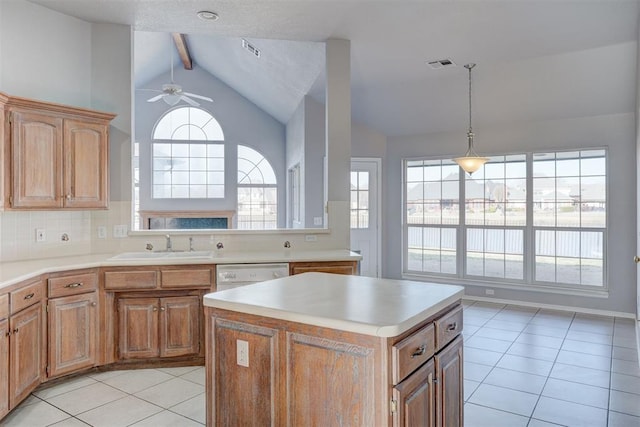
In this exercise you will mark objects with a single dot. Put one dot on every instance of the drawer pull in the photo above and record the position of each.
(73, 285)
(419, 351)
(15, 331)
(31, 295)
(452, 326)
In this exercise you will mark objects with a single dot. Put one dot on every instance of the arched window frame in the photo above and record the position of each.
(257, 191)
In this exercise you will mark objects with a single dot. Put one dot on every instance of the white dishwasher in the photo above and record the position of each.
(229, 276)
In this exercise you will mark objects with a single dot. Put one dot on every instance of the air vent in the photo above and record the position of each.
(441, 63)
(251, 48)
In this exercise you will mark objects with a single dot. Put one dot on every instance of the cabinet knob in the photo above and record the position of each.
(93, 304)
(155, 308)
(161, 308)
(419, 351)
(68, 196)
(73, 285)
(15, 331)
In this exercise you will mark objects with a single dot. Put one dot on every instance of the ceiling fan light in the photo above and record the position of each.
(171, 99)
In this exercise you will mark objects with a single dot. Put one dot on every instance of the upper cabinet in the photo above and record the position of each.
(54, 156)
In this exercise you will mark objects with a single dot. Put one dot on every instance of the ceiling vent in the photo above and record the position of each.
(441, 63)
(251, 48)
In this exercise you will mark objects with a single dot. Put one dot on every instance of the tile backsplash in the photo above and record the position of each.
(18, 232)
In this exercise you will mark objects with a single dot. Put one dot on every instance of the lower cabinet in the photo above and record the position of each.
(26, 353)
(158, 327)
(415, 399)
(4, 367)
(449, 392)
(335, 267)
(73, 323)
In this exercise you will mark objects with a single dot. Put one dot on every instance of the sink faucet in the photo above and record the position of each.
(169, 246)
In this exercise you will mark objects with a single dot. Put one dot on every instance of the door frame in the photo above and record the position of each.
(377, 162)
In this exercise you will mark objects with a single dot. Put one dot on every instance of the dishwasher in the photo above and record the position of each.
(229, 276)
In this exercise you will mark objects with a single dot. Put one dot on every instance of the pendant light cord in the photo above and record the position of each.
(470, 67)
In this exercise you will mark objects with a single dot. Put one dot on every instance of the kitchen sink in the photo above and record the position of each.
(163, 255)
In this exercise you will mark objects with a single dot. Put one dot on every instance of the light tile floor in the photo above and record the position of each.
(523, 367)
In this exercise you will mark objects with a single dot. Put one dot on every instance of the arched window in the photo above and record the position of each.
(188, 156)
(257, 191)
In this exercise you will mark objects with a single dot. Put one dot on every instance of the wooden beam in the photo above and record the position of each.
(183, 50)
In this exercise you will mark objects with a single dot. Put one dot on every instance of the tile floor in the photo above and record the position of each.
(523, 367)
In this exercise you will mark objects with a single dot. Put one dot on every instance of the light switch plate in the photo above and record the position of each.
(102, 232)
(242, 349)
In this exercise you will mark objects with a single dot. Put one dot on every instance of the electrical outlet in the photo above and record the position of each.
(119, 231)
(317, 220)
(41, 235)
(310, 238)
(102, 232)
(489, 292)
(242, 353)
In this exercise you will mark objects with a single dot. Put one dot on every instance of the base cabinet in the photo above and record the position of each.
(158, 327)
(73, 323)
(302, 375)
(4, 367)
(26, 353)
(415, 399)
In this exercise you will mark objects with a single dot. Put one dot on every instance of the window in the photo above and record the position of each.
(187, 164)
(359, 199)
(537, 218)
(257, 191)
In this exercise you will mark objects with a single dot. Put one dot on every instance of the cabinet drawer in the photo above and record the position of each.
(410, 353)
(448, 327)
(26, 296)
(190, 278)
(146, 279)
(4, 306)
(72, 284)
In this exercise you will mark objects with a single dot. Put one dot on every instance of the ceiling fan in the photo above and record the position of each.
(172, 93)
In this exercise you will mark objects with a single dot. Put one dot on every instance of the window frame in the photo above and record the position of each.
(529, 281)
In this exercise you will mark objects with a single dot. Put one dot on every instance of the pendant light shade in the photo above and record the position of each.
(471, 161)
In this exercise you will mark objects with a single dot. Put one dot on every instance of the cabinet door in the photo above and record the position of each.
(26, 353)
(415, 399)
(72, 333)
(36, 145)
(449, 394)
(4, 367)
(138, 328)
(179, 326)
(85, 165)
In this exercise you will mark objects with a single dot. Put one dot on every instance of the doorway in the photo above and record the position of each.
(365, 208)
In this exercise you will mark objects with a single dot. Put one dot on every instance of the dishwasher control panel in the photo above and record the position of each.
(245, 274)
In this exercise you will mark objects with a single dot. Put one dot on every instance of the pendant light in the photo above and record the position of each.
(470, 162)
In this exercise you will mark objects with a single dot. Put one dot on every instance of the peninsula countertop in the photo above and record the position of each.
(370, 306)
(17, 271)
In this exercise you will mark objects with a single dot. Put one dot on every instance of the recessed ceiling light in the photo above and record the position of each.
(207, 15)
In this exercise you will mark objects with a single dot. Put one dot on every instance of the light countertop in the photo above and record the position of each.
(378, 307)
(14, 272)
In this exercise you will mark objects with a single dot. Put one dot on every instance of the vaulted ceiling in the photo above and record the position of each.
(537, 60)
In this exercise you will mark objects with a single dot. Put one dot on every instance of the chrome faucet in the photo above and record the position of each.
(169, 246)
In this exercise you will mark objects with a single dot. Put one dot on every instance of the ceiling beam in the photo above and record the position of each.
(183, 50)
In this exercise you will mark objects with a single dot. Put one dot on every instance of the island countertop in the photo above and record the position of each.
(370, 306)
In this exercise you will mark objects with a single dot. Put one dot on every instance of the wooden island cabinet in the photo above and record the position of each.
(327, 349)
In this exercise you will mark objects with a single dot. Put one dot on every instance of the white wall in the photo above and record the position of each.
(616, 132)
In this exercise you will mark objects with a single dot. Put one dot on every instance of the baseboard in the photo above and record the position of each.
(555, 307)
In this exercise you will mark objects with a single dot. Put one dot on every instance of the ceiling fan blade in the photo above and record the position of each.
(193, 95)
(189, 101)
(155, 98)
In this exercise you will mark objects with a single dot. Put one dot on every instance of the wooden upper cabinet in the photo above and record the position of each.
(55, 156)
(85, 165)
(36, 146)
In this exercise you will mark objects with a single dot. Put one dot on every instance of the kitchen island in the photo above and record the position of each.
(324, 349)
